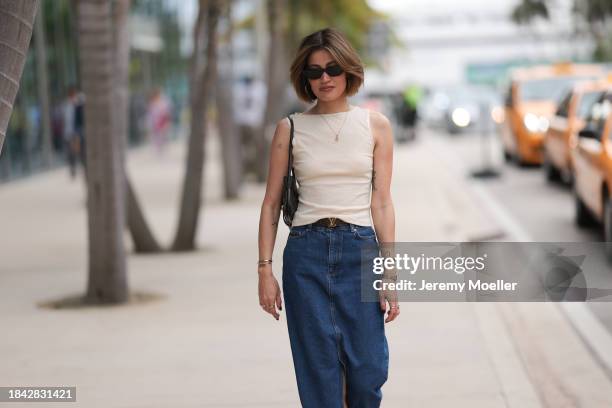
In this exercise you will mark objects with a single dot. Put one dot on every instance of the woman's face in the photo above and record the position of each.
(327, 88)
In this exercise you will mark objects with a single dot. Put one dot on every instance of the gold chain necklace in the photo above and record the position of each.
(341, 127)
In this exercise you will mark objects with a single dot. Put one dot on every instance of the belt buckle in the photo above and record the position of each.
(331, 222)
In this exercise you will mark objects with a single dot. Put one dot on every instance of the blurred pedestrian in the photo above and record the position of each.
(74, 129)
(411, 98)
(342, 158)
(57, 126)
(159, 119)
(250, 101)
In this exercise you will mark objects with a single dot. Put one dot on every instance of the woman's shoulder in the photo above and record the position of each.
(378, 119)
(380, 126)
(283, 128)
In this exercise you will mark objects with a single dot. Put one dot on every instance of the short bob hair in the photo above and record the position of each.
(341, 50)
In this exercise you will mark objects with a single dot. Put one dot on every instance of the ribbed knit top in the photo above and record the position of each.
(334, 177)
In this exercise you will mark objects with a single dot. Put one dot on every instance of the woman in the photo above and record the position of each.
(343, 158)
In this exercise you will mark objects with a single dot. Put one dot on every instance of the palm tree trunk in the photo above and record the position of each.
(107, 281)
(276, 79)
(293, 29)
(121, 43)
(202, 81)
(17, 21)
(42, 81)
(228, 132)
(142, 236)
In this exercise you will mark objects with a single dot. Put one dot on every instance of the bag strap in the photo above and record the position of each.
(290, 161)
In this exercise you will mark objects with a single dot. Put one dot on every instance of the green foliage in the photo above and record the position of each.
(353, 17)
(603, 50)
(528, 10)
(593, 10)
(597, 14)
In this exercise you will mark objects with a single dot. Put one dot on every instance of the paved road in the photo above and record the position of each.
(539, 210)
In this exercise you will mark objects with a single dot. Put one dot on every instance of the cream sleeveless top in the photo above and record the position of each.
(334, 177)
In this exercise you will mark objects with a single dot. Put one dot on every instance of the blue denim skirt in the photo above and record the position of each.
(337, 340)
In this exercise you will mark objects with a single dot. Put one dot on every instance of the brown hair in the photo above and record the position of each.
(341, 50)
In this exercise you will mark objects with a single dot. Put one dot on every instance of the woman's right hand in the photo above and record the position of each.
(269, 292)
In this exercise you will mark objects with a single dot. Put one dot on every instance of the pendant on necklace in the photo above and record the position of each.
(337, 133)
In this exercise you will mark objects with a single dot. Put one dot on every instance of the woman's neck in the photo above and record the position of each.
(339, 105)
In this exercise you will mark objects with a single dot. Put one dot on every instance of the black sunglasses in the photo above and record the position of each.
(317, 72)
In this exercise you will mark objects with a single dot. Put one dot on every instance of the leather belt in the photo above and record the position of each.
(330, 222)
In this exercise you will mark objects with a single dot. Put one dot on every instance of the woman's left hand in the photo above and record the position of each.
(389, 296)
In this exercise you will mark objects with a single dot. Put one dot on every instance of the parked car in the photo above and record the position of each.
(567, 121)
(592, 158)
(460, 108)
(531, 99)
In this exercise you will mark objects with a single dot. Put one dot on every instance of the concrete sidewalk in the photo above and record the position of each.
(206, 342)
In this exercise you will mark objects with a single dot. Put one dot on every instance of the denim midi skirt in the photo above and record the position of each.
(337, 340)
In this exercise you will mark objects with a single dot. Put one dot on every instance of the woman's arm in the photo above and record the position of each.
(383, 212)
(269, 290)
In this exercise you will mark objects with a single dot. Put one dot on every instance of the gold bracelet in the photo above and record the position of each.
(263, 262)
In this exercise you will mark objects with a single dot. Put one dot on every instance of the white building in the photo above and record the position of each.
(447, 41)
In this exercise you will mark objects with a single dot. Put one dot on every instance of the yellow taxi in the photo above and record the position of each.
(530, 103)
(592, 158)
(567, 121)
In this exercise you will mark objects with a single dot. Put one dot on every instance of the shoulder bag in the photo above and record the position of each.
(289, 199)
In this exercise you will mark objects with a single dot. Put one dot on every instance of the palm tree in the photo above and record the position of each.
(203, 63)
(107, 281)
(228, 132)
(17, 21)
(276, 78)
